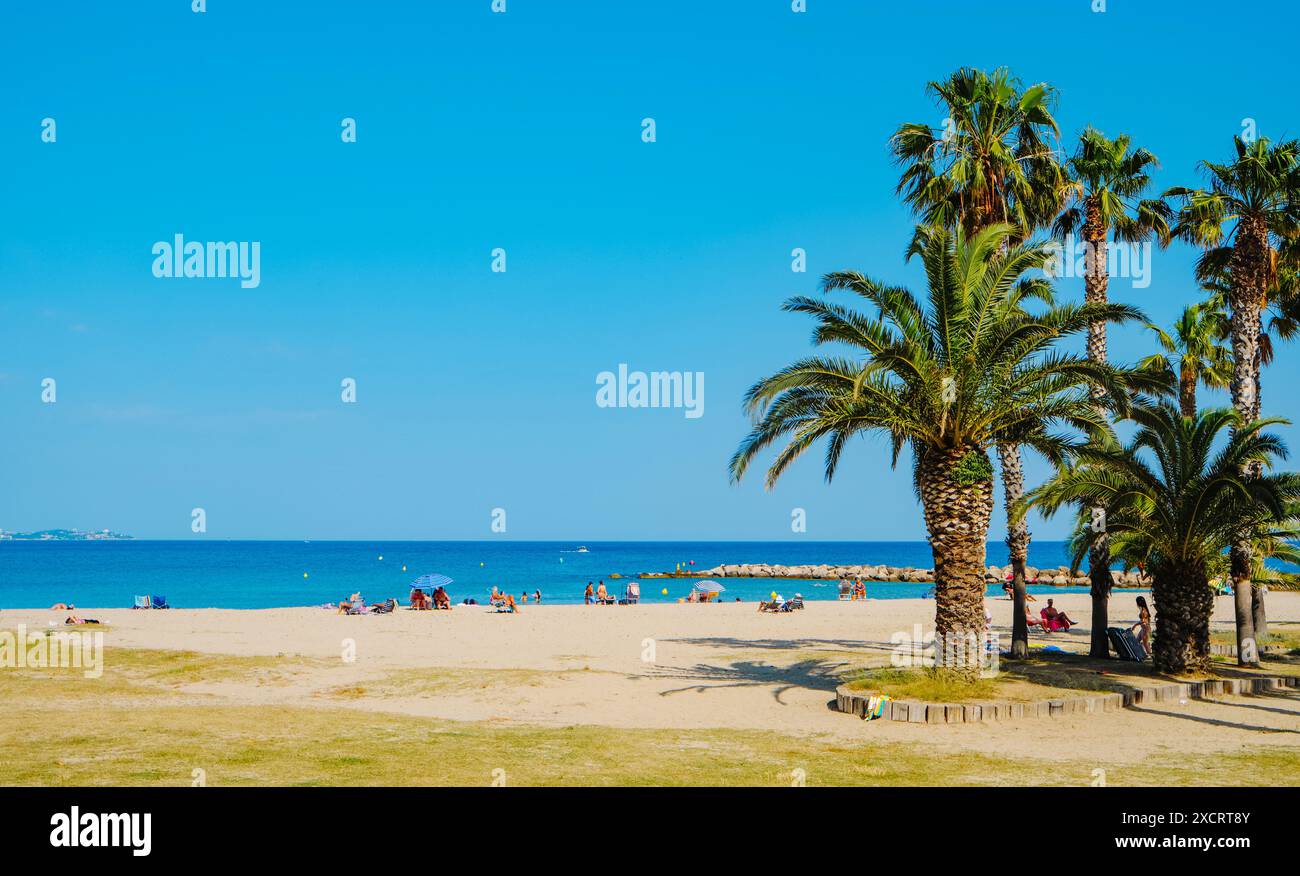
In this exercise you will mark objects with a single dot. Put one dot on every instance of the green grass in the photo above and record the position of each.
(931, 685)
(134, 727)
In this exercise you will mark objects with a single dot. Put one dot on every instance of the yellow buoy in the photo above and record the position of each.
(664, 591)
(381, 556)
(480, 565)
(403, 568)
(304, 574)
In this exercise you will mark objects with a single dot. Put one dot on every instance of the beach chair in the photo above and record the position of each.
(159, 601)
(142, 602)
(385, 607)
(846, 590)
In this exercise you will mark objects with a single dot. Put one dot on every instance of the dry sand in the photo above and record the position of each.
(665, 666)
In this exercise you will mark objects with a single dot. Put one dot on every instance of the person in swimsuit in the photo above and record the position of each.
(1143, 626)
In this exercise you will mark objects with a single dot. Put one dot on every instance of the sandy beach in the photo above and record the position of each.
(659, 666)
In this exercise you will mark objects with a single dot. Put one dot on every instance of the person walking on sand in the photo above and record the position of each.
(1143, 626)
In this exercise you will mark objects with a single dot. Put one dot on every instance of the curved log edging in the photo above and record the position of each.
(855, 702)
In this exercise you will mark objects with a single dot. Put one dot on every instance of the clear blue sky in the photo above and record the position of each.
(477, 390)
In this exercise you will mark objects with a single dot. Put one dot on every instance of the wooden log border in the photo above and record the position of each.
(855, 702)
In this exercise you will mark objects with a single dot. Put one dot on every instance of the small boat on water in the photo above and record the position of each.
(582, 550)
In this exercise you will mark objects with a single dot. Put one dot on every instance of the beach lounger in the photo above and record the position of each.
(385, 607)
(142, 602)
(160, 601)
(846, 590)
(1126, 645)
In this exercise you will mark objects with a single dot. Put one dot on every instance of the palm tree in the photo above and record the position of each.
(1250, 210)
(1194, 352)
(947, 379)
(1103, 196)
(992, 161)
(1173, 502)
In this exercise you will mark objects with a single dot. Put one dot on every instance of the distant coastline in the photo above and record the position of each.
(64, 535)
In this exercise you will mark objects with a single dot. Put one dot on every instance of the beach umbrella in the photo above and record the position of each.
(709, 586)
(430, 582)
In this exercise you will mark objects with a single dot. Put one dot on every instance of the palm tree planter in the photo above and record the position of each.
(948, 380)
(1173, 501)
(1103, 196)
(1249, 212)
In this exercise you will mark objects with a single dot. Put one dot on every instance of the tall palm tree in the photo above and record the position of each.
(1194, 352)
(948, 379)
(1103, 197)
(1173, 500)
(992, 161)
(1250, 210)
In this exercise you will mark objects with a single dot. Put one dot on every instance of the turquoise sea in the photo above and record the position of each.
(266, 574)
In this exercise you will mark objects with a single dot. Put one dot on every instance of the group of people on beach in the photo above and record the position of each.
(1051, 619)
(853, 590)
(600, 595)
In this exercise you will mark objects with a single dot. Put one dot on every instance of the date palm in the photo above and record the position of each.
(1175, 496)
(1248, 215)
(948, 379)
(1194, 353)
(992, 160)
(1103, 197)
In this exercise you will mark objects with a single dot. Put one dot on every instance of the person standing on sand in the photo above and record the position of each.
(1143, 626)
(586, 596)
(537, 596)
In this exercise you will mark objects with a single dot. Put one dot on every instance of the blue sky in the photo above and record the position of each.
(476, 390)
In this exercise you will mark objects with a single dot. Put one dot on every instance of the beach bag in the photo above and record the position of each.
(1126, 645)
(876, 707)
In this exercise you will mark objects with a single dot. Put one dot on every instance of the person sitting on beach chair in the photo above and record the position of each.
(1055, 619)
(508, 605)
(354, 604)
(420, 600)
(441, 599)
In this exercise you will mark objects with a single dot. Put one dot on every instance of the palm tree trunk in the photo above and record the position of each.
(1183, 604)
(1187, 391)
(1095, 283)
(957, 511)
(1249, 260)
(1259, 616)
(1013, 488)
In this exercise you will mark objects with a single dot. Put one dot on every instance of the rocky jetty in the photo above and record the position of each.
(1058, 577)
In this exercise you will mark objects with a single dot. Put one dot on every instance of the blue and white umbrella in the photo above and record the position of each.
(709, 586)
(430, 582)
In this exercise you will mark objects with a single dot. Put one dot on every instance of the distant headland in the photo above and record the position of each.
(63, 535)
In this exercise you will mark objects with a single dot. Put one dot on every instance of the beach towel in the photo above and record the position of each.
(876, 707)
